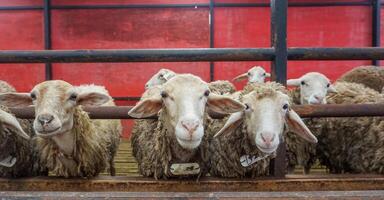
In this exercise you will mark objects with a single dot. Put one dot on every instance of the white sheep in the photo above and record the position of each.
(69, 143)
(256, 74)
(311, 88)
(248, 140)
(162, 76)
(176, 140)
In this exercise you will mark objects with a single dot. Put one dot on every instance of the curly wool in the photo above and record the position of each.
(27, 163)
(226, 150)
(370, 76)
(221, 87)
(156, 148)
(356, 144)
(96, 142)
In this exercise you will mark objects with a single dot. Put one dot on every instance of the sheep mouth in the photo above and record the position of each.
(266, 150)
(46, 133)
(9, 161)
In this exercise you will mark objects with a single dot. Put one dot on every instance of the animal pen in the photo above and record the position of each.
(278, 54)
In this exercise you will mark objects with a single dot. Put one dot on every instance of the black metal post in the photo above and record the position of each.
(211, 37)
(47, 37)
(376, 20)
(279, 10)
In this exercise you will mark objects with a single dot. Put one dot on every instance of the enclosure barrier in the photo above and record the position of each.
(279, 54)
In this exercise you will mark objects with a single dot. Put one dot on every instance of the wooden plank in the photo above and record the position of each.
(208, 184)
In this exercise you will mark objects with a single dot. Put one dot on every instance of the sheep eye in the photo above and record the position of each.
(285, 106)
(264, 74)
(328, 85)
(302, 82)
(164, 94)
(247, 107)
(249, 73)
(161, 75)
(206, 93)
(33, 96)
(73, 97)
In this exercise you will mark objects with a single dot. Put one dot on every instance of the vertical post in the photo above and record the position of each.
(211, 37)
(279, 10)
(47, 36)
(376, 20)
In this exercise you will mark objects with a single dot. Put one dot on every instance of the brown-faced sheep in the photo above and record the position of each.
(70, 144)
(370, 76)
(311, 88)
(244, 145)
(175, 145)
(355, 144)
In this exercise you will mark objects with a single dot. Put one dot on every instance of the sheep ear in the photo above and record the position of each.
(146, 108)
(293, 82)
(267, 75)
(92, 99)
(240, 77)
(297, 126)
(10, 122)
(224, 105)
(231, 124)
(15, 99)
(332, 89)
(168, 75)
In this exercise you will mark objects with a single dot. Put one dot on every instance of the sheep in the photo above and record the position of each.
(69, 143)
(18, 157)
(370, 76)
(162, 76)
(311, 88)
(176, 139)
(222, 87)
(254, 75)
(355, 144)
(248, 140)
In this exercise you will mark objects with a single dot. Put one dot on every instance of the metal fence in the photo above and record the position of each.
(279, 54)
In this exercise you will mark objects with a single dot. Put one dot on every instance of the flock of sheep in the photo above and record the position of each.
(184, 140)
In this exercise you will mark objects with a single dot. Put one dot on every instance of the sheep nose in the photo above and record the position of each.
(45, 119)
(268, 138)
(190, 125)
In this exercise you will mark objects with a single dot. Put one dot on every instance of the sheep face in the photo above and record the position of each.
(265, 116)
(54, 103)
(254, 75)
(9, 128)
(313, 88)
(160, 78)
(183, 99)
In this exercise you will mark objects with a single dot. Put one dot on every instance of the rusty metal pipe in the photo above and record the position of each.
(187, 55)
(339, 110)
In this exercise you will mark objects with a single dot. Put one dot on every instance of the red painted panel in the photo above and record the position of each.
(111, 2)
(137, 28)
(21, 30)
(21, 2)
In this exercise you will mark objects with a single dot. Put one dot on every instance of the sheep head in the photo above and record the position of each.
(162, 76)
(266, 114)
(9, 129)
(254, 75)
(54, 103)
(184, 99)
(314, 87)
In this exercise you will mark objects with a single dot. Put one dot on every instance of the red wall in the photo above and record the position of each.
(332, 26)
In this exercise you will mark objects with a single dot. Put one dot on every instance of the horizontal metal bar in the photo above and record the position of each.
(360, 53)
(127, 6)
(121, 112)
(188, 55)
(137, 55)
(126, 98)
